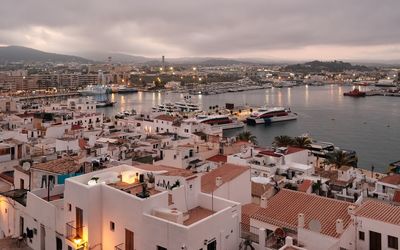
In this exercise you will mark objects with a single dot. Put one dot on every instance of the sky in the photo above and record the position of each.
(270, 29)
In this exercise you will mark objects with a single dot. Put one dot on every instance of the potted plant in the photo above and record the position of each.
(150, 180)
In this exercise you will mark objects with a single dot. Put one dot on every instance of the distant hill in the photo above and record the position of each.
(319, 66)
(116, 57)
(24, 54)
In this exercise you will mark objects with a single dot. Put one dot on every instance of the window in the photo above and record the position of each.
(361, 235)
(393, 242)
(112, 226)
(69, 207)
(161, 248)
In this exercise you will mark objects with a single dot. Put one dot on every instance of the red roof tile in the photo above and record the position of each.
(396, 197)
(391, 179)
(218, 158)
(167, 118)
(227, 172)
(380, 211)
(283, 209)
(291, 150)
(304, 186)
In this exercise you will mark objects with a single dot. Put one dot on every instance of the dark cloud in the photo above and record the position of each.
(203, 28)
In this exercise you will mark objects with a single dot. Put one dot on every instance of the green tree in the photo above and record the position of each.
(282, 141)
(301, 142)
(338, 158)
(247, 136)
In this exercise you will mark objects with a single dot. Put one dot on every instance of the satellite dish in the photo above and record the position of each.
(314, 225)
(26, 165)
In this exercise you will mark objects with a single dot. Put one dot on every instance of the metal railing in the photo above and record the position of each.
(120, 247)
(73, 232)
(248, 232)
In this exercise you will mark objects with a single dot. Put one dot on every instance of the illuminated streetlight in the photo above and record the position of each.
(194, 68)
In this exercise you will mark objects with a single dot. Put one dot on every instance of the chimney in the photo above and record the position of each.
(339, 226)
(300, 220)
(350, 209)
(263, 202)
(289, 241)
(218, 181)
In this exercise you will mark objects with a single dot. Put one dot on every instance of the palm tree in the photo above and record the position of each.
(301, 141)
(338, 158)
(282, 141)
(247, 136)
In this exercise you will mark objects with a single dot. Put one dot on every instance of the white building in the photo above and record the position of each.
(102, 208)
(377, 226)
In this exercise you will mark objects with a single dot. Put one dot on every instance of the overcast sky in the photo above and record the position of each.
(278, 29)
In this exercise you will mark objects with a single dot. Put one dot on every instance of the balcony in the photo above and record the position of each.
(75, 234)
(120, 247)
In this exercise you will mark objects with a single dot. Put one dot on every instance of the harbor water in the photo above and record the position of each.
(369, 125)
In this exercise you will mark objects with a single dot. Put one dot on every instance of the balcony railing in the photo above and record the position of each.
(120, 247)
(74, 233)
(248, 232)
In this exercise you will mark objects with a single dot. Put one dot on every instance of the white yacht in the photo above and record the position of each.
(186, 107)
(222, 121)
(164, 107)
(270, 115)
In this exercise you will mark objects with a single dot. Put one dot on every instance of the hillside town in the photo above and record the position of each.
(72, 178)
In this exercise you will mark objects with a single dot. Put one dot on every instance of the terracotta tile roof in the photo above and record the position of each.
(258, 189)
(380, 211)
(291, 150)
(283, 209)
(247, 211)
(396, 197)
(218, 158)
(391, 179)
(167, 118)
(76, 127)
(304, 186)
(227, 171)
(60, 166)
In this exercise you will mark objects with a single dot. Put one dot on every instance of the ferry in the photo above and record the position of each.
(125, 89)
(222, 121)
(94, 90)
(269, 115)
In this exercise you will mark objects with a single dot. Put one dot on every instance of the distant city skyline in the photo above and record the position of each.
(275, 30)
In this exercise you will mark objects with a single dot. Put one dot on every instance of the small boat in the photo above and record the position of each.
(267, 115)
(125, 89)
(355, 93)
(102, 104)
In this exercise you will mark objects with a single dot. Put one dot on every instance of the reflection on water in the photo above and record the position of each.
(368, 125)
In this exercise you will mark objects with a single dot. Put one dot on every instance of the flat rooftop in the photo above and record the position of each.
(196, 214)
(133, 189)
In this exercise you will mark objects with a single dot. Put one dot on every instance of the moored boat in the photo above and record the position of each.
(355, 93)
(267, 115)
